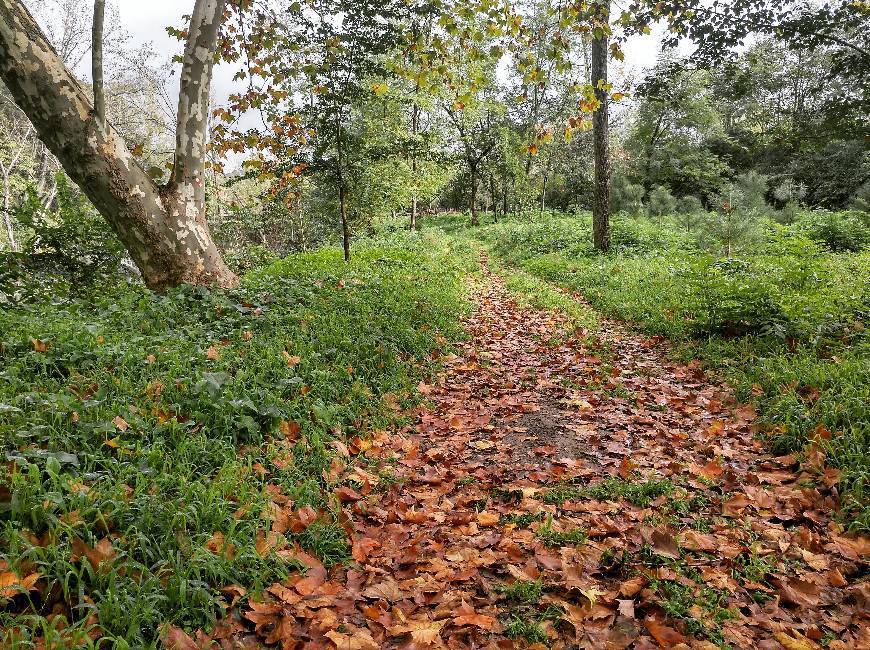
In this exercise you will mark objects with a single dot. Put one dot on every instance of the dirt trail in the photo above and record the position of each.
(561, 492)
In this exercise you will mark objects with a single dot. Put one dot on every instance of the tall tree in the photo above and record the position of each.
(163, 227)
(601, 204)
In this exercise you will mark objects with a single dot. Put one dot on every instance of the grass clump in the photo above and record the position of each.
(518, 627)
(527, 592)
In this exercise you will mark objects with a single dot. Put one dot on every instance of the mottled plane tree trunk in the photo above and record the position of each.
(163, 227)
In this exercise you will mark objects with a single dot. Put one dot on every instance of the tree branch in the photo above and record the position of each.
(97, 62)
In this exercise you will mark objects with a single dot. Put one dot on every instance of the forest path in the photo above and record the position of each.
(565, 491)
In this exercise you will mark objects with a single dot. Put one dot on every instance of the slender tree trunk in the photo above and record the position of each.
(163, 228)
(504, 198)
(494, 200)
(601, 206)
(342, 192)
(415, 125)
(97, 61)
(472, 198)
(543, 195)
(345, 230)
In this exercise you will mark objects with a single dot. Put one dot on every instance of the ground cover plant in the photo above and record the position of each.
(160, 448)
(783, 318)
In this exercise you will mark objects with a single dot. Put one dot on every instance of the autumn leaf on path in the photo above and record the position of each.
(424, 631)
(795, 641)
(797, 592)
(469, 616)
(663, 543)
(359, 639)
(667, 637)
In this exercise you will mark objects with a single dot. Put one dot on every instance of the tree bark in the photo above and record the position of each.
(163, 228)
(472, 199)
(345, 230)
(342, 191)
(601, 205)
(97, 61)
(415, 126)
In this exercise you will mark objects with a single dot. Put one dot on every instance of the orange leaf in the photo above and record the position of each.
(625, 467)
(11, 584)
(478, 620)
(103, 551)
(487, 518)
(667, 637)
(346, 494)
(121, 423)
(219, 546)
(290, 429)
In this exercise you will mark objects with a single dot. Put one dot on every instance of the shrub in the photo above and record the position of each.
(838, 231)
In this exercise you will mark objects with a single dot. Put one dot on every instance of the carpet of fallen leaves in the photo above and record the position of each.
(567, 490)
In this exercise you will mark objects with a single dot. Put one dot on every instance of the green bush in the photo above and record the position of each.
(838, 231)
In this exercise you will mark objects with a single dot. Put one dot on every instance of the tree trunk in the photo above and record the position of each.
(345, 230)
(415, 124)
(342, 191)
(472, 198)
(543, 195)
(601, 206)
(97, 61)
(163, 228)
(493, 196)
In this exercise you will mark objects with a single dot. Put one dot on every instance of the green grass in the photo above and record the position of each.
(156, 421)
(640, 493)
(517, 627)
(522, 591)
(784, 320)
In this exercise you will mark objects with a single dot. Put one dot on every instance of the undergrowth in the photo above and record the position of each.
(157, 428)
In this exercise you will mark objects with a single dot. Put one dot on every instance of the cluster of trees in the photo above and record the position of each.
(347, 110)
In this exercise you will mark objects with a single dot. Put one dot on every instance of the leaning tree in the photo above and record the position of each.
(164, 226)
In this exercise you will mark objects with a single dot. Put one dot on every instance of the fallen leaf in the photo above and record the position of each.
(11, 584)
(487, 518)
(796, 641)
(667, 637)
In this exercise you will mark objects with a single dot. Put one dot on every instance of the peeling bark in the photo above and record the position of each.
(164, 229)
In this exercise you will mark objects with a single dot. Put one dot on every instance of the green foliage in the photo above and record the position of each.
(64, 248)
(625, 196)
(640, 493)
(661, 202)
(156, 420)
(838, 231)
